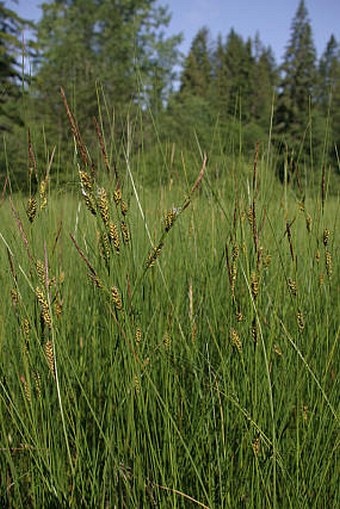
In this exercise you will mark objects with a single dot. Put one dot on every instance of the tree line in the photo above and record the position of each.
(115, 63)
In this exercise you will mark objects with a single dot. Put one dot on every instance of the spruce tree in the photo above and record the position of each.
(116, 46)
(265, 78)
(328, 72)
(298, 79)
(10, 72)
(329, 90)
(196, 76)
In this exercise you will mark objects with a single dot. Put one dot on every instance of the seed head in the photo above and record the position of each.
(305, 412)
(300, 320)
(256, 446)
(254, 285)
(103, 206)
(277, 350)
(42, 193)
(86, 181)
(267, 260)
(31, 209)
(169, 219)
(117, 300)
(235, 339)
(136, 383)
(114, 236)
(292, 286)
(27, 389)
(125, 232)
(235, 252)
(250, 215)
(41, 271)
(90, 203)
(329, 264)
(95, 280)
(153, 255)
(325, 236)
(138, 335)
(309, 222)
(254, 331)
(321, 278)
(124, 207)
(14, 297)
(167, 340)
(48, 347)
(58, 306)
(239, 316)
(117, 196)
(37, 380)
(45, 311)
(26, 327)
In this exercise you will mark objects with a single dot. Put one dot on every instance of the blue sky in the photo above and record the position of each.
(271, 18)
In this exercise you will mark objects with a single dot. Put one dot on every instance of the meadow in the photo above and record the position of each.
(171, 345)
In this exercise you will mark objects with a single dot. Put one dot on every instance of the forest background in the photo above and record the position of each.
(116, 64)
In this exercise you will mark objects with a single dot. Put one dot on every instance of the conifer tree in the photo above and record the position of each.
(298, 79)
(118, 45)
(328, 71)
(265, 78)
(10, 73)
(196, 76)
(329, 89)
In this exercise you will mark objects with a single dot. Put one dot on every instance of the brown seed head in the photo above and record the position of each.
(167, 340)
(292, 286)
(48, 347)
(103, 206)
(14, 297)
(329, 264)
(235, 339)
(235, 252)
(31, 209)
(40, 266)
(169, 219)
(45, 312)
(153, 255)
(42, 193)
(117, 196)
(138, 335)
(325, 236)
(300, 318)
(277, 350)
(125, 232)
(124, 207)
(86, 181)
(239, 316)
(37, 380)
(117, 300)
(27, 389)
(321, 278)
(256, 446)
(114, 236)
(254, 285)
(309, 222)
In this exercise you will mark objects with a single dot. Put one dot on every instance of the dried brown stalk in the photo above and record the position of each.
(75, 130)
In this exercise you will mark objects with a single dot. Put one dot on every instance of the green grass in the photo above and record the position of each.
(216, 383)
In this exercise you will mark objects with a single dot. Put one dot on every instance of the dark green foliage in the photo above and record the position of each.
(196, 75)
(119, 46)
(265, 81)
(298, 79)
(10, 75)
(13, 94)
